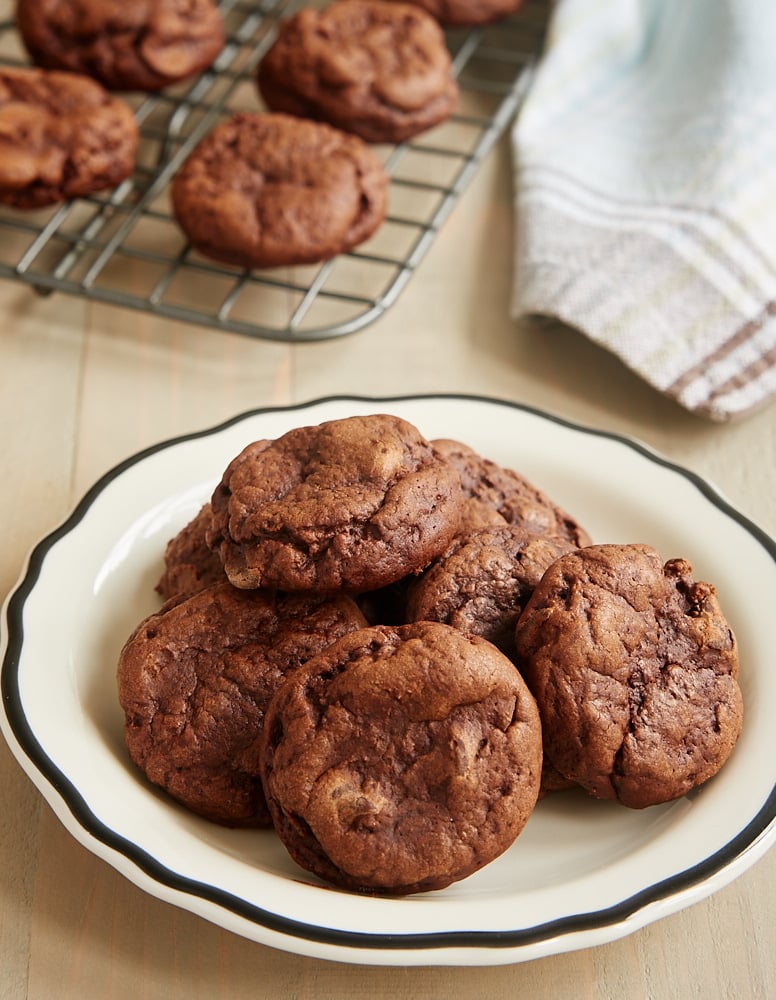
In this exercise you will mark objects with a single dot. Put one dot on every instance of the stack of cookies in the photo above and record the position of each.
(388, 648)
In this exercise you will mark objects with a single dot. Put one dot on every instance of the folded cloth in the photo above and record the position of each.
(645, 189)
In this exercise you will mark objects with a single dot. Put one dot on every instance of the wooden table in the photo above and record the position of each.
(86, 385)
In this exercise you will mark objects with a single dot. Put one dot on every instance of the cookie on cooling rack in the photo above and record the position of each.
(401, 759)
(496, 494)
(194, 682)
(353, 504)
(143, 45)
(380, 70)
(468, 13)
(265, 190)
(634, 668)
(62, 135)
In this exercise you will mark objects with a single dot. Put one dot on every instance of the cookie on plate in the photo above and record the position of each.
(468, 13)
(380, 70)
(144, 45)
(194, 682)
(189, 562)
(497, 494)
(634, 668)
(265, 190)
(483, 580)
(353, 504)
(62, 135)
(401, 759)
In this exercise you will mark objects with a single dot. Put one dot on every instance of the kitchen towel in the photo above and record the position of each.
(645, 191)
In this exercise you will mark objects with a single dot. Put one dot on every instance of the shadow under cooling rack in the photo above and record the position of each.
(125, 248)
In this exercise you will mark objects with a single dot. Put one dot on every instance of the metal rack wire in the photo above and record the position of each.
(124, 247)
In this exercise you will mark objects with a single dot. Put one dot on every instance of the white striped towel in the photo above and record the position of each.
(645, 187)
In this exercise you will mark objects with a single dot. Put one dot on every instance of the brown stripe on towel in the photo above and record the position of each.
(742, 334)
(745, 376)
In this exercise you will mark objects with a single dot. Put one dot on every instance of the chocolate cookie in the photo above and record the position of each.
(482, 582)
(268, 190)
(194, 681)
(61, 136)
(189, 562)
(401, 759)
(144, 45)
(353, 504)
(634, 668)
(380, 70)
(468, 13)
(492, 489)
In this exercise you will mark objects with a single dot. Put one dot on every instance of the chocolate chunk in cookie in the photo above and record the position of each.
(380, 70)
(634, 668)
(194, 682)
(61, 136)
(352, 504)
(144, 45)
(401, 759)
(482, 582)
(270, 190)
(497, 493)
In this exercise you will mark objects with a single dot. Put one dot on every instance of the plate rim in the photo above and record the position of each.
(749, 843)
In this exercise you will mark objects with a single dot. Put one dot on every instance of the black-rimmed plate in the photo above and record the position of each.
(581, 873)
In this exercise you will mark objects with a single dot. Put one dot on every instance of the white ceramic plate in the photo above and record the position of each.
(581, 873)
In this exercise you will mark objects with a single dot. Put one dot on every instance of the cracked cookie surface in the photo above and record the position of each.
(189, 562)
(634, 668)
(483, 580)
(143, 45)
(62, 135)
(194, 682)
(352, 504)
(497, 495)
(380, 70)
(265, 190)
(401, 759)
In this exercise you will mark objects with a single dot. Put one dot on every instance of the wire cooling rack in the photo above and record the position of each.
(124, 247)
